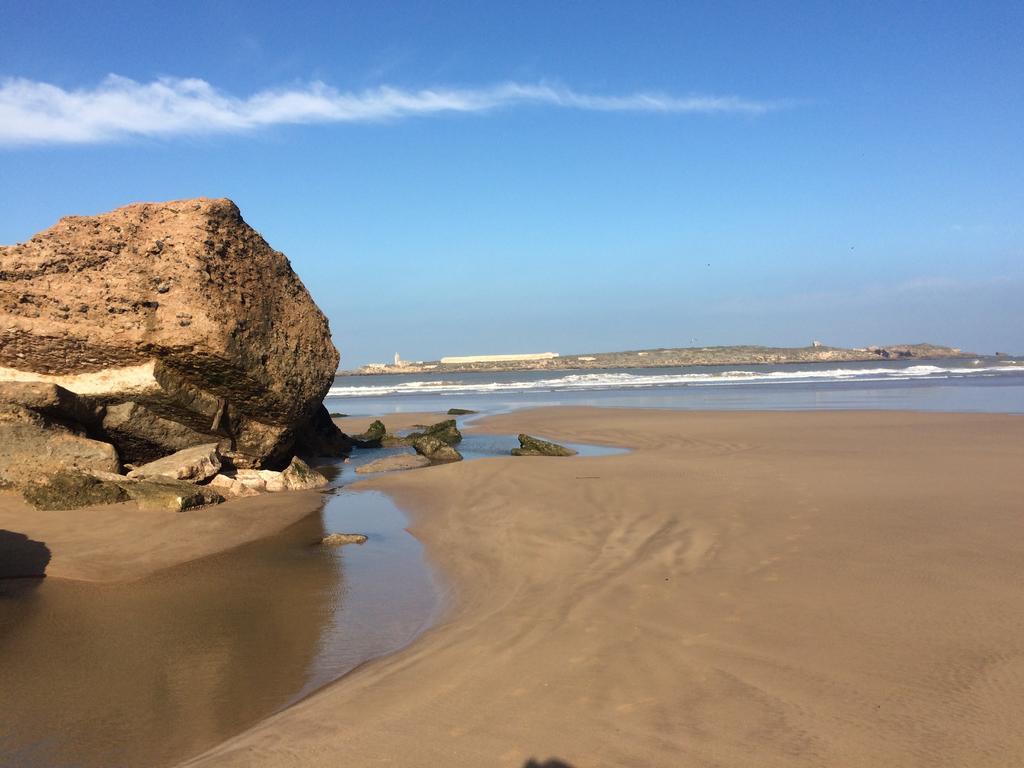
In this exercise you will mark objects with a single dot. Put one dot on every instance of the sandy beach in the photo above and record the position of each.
(742, 589)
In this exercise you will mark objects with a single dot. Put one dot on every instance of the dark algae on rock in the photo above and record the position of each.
(445, 431)
(71, 490)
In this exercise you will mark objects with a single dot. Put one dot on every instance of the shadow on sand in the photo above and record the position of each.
(22, 560)
(551, 763)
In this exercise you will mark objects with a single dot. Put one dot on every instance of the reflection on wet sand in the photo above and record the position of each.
(149, 672)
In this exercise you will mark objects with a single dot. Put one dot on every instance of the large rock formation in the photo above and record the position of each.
(175, 324)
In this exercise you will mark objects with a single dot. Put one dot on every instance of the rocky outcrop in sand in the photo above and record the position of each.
(435, 449)
(297, 476)
(192, 464)
(533, 446)
(173, 323)
(446, 431)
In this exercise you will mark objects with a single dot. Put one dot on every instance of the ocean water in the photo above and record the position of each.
(994, 385)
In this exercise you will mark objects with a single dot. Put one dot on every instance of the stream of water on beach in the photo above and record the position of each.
(151, 672)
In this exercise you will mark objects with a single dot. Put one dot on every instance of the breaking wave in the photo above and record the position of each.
(616, 380)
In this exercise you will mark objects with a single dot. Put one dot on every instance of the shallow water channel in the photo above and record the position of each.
(154, 671)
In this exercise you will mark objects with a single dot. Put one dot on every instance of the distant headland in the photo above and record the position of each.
(660, 358)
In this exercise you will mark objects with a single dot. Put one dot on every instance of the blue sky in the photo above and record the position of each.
(460, 178)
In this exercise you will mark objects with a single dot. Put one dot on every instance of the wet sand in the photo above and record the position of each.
(743, 589)
(353, 425)
(120, 542)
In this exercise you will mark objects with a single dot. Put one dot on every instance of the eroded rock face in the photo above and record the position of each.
(34, 446)
(181, 309)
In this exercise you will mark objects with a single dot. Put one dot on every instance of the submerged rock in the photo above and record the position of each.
(394, 463)
(532, 446)
(183, 310)
(192, 464)
(71, 490)
(339, 539)
(459, 411)
(435, 450)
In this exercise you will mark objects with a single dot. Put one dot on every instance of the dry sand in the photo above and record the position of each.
(743, 589)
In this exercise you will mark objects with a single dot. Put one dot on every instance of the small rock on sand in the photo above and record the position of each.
(338, 539)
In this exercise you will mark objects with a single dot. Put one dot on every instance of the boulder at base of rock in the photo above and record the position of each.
(435, 449)
(254, 479)
(338, 539)
(231, 486)
(192, 464)
(172, 495)
(445, 431)
(296, 477)
(532, 446)
(33, 447)
(299, 476)
(394, 463)
(71, 490)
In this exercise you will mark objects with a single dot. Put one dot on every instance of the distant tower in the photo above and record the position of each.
(814, 343)
(398, 360)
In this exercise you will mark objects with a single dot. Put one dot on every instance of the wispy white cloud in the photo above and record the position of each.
(33, 112)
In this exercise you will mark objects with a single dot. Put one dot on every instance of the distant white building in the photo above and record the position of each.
(498, 358)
